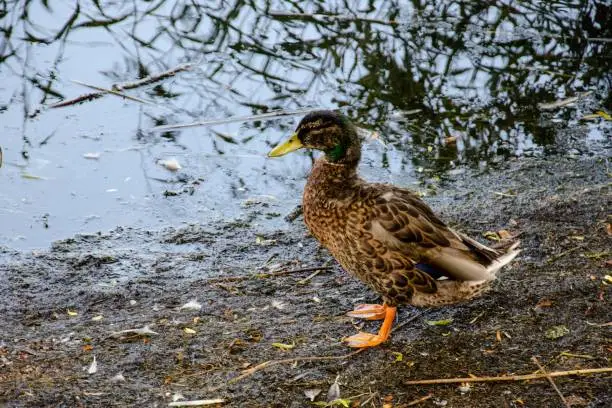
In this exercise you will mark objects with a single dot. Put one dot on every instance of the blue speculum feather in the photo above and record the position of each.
(430, 270)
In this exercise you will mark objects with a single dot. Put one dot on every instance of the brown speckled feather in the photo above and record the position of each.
(385, 235)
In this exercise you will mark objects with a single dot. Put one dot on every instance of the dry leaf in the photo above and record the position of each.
(544, 303)
(277, 304)
(189, 331)
(576, 401)
(334, 391)
(118, 378)
(312, 394)
(503, 234)
(464, 388)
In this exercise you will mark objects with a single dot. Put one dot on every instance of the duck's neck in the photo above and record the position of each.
(345, 153)
(334, 178)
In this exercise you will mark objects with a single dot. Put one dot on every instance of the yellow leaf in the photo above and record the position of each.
(96, 318)
(604, 115)
(491, 235)
(72, 313)
(283, 346)
(398, 356)
(189, 331)
(443, 322)
(29, 176)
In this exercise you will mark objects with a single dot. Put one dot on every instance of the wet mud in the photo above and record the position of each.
(261, 299)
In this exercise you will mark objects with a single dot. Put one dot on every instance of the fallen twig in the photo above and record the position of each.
(303, 16)
(562, 254)
(196, 403)
(551, 381)
(250, 371)
(296, 212)
(511, 377)
(563, 102)
(419, 400)
(267, 275)
(232, 119)
(141, 331)
(113, 92)
(126, 85)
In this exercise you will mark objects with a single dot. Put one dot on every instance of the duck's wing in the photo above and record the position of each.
(409, 228)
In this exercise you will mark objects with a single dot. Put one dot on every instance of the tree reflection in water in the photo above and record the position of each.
(418, 72)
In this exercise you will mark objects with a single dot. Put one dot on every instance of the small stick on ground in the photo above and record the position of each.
(419, 400)
(562, 254)
(551, 381)
(248, 372)
(267, 275)
(512, 377)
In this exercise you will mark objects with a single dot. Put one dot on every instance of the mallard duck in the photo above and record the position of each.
(384, 235)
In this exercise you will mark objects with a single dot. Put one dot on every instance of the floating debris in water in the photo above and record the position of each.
(170, 164)
(92, 156)
(29, 176)
(232, 119)
(563, 102)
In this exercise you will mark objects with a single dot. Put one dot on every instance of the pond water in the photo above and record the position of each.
(448, 85)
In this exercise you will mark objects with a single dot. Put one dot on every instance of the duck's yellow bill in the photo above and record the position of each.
(290, 145)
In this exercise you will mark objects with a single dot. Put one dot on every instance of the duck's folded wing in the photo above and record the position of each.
(406, 224)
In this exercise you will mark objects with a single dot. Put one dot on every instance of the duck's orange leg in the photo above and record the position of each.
(362, 339)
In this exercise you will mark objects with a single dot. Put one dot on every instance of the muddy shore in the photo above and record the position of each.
(260, 300)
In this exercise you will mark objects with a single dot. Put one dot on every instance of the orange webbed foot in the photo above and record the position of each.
(361, 339)
(368, 312)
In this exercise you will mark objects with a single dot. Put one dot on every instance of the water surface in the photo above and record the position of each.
(448, 85)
